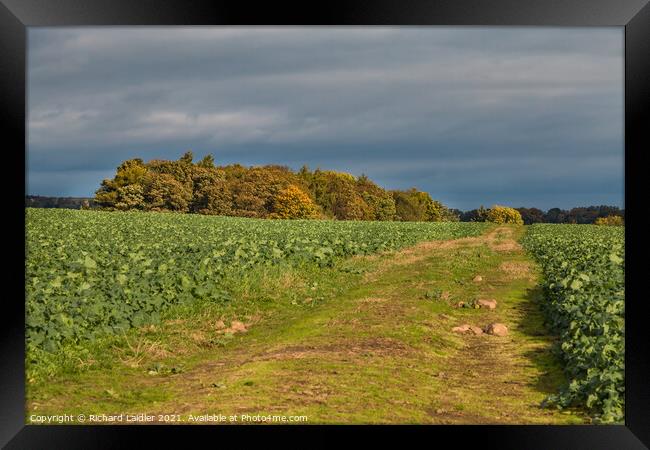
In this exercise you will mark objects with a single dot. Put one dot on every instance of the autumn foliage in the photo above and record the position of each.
(615, 221)
(260, 192)
(503, 214)
(293, 203)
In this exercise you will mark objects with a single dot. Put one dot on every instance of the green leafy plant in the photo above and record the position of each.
(584, 284)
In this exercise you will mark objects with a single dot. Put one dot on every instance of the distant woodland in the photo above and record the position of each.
(275, 191)
(39, 201)
(581, 215)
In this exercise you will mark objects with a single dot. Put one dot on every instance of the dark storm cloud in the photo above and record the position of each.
(521, 116)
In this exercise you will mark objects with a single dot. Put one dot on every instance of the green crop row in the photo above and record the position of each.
(90, 273)
(584, 283)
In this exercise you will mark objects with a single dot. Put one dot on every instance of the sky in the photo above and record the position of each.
(528, 116)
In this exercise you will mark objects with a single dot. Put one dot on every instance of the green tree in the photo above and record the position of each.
(187, 157)
(407, 206)
(380, 204)
(211, 193)
(414, 205)
(130, 196)
(207, 162)
(531, 215)
(111, 192)
(164, 193)
(106, 195)
(436, 211)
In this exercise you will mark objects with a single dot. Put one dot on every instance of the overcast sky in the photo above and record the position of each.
(473, 115)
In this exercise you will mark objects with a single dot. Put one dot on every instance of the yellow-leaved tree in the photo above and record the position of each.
(293, 203)
(504, 214)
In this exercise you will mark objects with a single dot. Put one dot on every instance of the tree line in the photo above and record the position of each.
(582, 215)
(40, 201)
(602, 214)
(275, 191)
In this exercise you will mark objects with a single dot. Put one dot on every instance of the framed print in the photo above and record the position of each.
(363, 214)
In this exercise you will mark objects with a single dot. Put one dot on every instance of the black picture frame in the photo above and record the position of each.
(634, 15)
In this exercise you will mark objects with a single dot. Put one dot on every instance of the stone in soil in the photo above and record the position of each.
(497, 329)
(467, 329)
(238, 327)
(487, 303)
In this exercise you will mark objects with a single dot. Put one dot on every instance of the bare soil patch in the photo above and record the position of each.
(516, 270)
(378, 346)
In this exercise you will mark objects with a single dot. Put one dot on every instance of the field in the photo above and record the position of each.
(340, 321)
(95, 273)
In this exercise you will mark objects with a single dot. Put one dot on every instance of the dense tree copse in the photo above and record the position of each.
(270, 191)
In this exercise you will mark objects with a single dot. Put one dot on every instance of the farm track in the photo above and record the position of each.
(381, 352)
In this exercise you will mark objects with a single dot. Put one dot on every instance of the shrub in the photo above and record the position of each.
(503, 214)
(614, 221)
